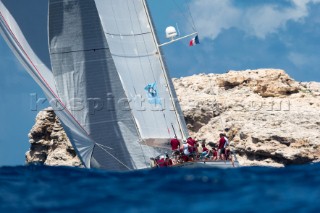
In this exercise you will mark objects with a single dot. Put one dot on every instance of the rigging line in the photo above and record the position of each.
(165, 119)
(163, 65)
(164, 115)
(114, 157)
(115, 20)
(123, 49)
(136, 40)
(145, 45)
(205, 65)
(104, 146)
(127, 65)
(130, 73)
(187, 19)
(131, 78)
(49, 88)
(144, 156)
(135, 43)
(144, 3)
(140, 62)
(192, 19)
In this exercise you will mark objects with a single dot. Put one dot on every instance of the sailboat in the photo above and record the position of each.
(103, 73)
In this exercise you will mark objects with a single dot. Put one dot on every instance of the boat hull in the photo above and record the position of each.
(210, 164)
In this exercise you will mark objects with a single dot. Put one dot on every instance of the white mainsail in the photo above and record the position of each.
(138, 59)
(108, 74)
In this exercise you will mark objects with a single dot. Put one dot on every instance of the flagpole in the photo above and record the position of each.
(174, 40)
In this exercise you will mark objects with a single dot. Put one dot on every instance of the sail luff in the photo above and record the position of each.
(164, 68)
(30, 60)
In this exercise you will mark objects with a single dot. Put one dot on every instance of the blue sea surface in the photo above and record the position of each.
(247, 189)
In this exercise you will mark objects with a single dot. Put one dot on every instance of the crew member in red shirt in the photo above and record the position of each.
(192, 144)
(221, 149)
(214, 154)
(175, 144)
(169, 161)
(205, 151)
(162, 161)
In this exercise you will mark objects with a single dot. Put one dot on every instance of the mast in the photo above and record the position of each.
(163, 67)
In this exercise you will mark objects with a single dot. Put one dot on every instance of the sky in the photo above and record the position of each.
(234, 35)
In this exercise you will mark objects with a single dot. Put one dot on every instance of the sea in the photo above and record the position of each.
(246, 189)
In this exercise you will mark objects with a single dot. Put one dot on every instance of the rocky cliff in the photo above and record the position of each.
(49, 143)
(270, 118)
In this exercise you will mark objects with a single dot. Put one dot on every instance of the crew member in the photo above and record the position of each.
(175, 144)
(221, 144)
(192, 143)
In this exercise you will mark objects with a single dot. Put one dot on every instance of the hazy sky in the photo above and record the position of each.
(234, 35)
(250, 34)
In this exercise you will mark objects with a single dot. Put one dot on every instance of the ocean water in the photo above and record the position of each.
(250, 189)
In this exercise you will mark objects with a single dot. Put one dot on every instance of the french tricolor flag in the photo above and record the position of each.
(194, 41)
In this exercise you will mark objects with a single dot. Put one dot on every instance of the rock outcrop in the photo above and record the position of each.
(270, 118)
(49, 143)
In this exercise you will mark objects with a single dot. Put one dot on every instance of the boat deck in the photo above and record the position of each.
(209, 163)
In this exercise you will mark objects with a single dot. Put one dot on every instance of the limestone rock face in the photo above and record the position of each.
(266, 83)
(49, 143)
(270, 118)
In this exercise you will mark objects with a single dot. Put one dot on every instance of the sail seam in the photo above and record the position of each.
(130, 73)
(164, 71)
(113, 156)
(42, 78)
(144, 41)
(156, 45)
(133, 56)
(133, 34)
(140, 62)
(74, 51)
